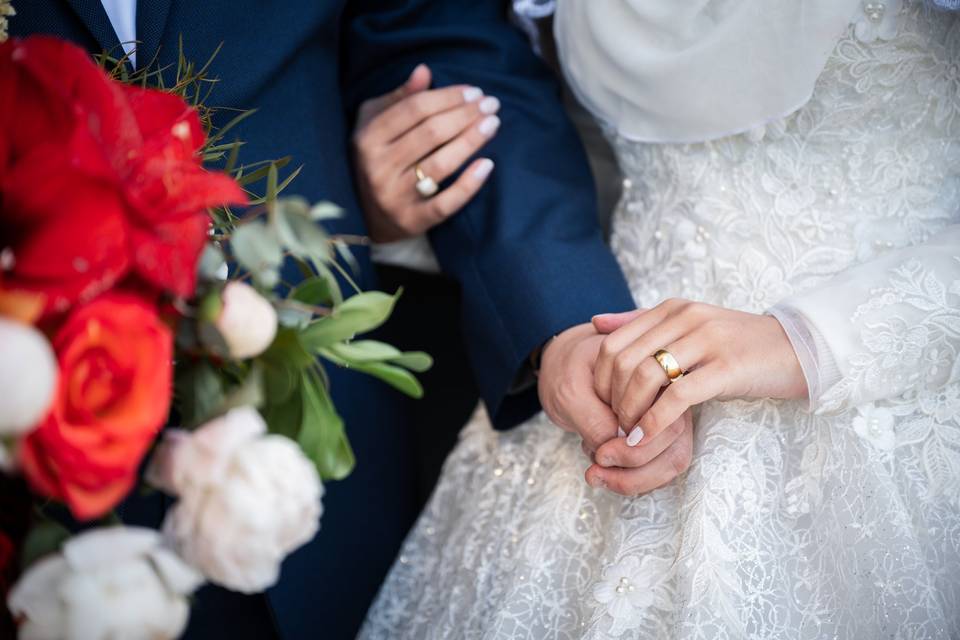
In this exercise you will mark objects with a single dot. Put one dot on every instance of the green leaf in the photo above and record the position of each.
(414, 360)
(257, 249)
(244, 178)
(365, 351)
(44, 538)
(359, 313)
(322, 436)
(398, 378)
(285, 417)
(302, 236)
(287, 350)
(249, 393)
(212, 263)
(199, 391)
(315, 291)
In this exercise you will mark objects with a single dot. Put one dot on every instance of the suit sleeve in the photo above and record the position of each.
(527, 251)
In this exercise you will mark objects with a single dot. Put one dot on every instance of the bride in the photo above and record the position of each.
(793, 161)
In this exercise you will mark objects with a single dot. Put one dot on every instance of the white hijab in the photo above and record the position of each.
(694, 70)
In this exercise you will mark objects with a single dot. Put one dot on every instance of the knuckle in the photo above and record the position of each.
(433, 130)
(680, 456)
(608, 349)
(417, 107)
(622, 366)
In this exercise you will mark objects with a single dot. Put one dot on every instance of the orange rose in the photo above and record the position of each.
(115, 358)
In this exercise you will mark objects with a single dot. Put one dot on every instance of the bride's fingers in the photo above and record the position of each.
(472, 118)
(702, 384)
(617, 453)
(443, 162)
(631, 400)
(399, 118)
(626, 362)
(622, 338)
(446, 203)
(674, 460)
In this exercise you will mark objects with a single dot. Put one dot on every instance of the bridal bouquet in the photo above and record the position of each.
(132, 296)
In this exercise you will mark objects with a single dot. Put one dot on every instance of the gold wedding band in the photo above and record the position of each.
(670, 365)
(426, 186)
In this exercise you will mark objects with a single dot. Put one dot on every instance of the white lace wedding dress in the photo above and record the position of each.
(840, 519)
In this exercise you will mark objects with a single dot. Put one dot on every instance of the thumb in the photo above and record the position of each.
(610, 322)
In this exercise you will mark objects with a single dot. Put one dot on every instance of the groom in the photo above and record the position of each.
(527, 252)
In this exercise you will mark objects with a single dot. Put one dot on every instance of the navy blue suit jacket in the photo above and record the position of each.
(527, 251)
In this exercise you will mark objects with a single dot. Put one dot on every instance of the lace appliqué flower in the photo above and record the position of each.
(631, 587)
(877, 20)
(875, 425)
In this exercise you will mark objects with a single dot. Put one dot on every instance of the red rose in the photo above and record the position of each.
(113, 397)
(97, 178)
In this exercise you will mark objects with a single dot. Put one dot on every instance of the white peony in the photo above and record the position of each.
(247, 321)
(28, 377)
(113, 582)
(246, 499)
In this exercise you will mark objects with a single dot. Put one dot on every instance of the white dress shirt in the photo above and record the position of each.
(123, 17)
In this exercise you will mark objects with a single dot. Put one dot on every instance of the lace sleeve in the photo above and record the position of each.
(886, 328)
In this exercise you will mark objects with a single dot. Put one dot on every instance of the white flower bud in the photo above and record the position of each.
(28, 377)
(247, 322)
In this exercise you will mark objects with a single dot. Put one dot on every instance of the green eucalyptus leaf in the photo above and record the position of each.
(414, 360)
(358, 314)
(314, 291)
(212, 263)
(257, 249)
(302, 236)
(44, 538)
(322, 436)
(364, 351)
(398, 378)
(287, 350)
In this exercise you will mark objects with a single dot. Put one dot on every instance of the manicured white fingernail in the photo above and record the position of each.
(472, 94)
(597, 483)
(621, 433)
(489, 125)
(489, 105)
(483, 169)
(635, 437)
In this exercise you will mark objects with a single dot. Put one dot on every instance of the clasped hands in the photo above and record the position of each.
(601, 381)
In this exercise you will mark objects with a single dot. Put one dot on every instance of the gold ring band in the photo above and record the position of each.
(670, 365)
(426, 186)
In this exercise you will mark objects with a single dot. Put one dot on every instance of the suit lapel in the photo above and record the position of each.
(94, 17)
(151, 22)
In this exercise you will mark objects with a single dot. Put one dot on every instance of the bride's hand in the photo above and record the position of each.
(725, 354)
(438, 129)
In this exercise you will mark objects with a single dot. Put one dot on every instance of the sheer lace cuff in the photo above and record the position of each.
(816, 359)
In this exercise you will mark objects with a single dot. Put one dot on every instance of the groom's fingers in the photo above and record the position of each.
(674, 461)
(610, 322)
(617, 453)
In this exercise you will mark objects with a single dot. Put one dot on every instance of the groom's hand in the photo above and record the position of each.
(569, 397)
(566, 387)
